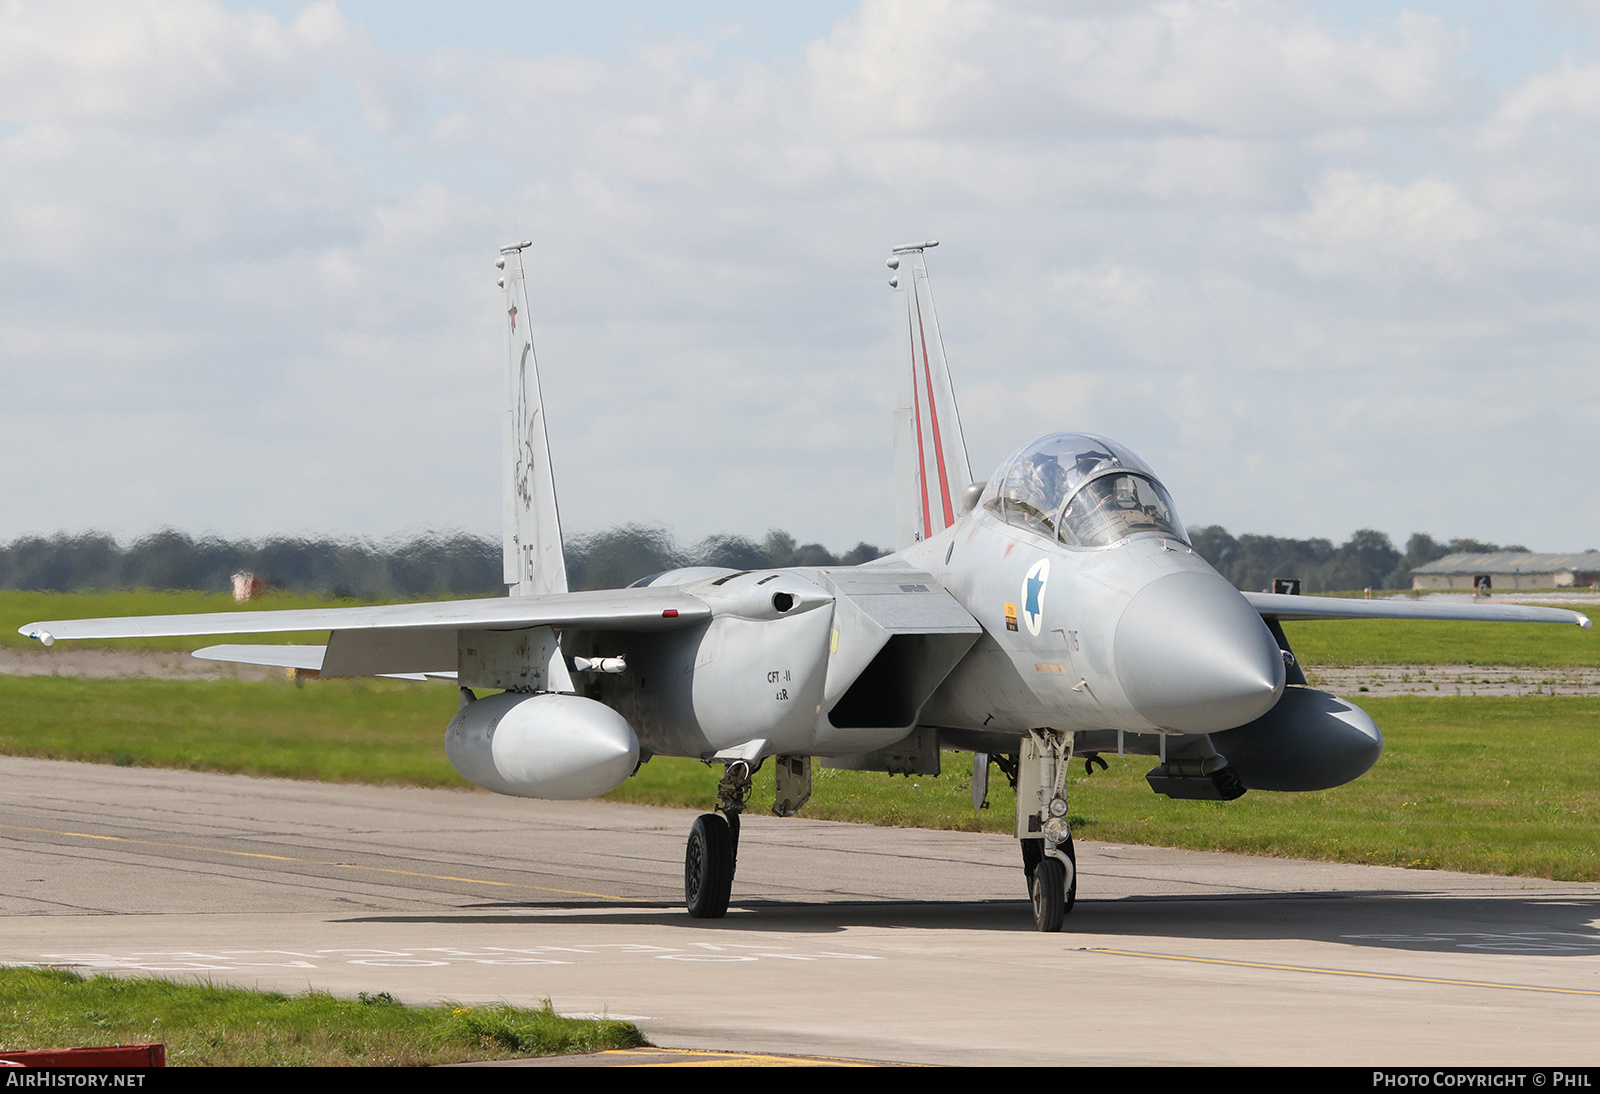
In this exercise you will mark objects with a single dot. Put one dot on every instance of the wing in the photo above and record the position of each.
(390, 639)
(1282, 606)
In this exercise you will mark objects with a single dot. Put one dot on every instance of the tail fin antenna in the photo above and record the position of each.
(534, 563)
(930, 451)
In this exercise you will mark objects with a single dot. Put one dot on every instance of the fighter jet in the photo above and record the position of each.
(1054, 611)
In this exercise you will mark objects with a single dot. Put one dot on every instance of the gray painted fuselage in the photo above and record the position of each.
(1141, 636)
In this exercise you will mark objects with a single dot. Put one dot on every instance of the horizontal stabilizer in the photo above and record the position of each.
(1290, 607)
(278, 657)
(304, 658)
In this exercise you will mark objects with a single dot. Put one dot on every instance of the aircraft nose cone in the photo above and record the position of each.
(1193, 656)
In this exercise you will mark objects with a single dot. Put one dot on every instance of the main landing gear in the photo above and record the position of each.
(713, 851)
(1048, 858)
(708, 866)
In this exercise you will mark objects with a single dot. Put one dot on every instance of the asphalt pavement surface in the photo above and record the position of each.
(842, 940)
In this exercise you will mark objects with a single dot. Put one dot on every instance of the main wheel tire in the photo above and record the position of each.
(708, 867)
(1072, 884)
(1049, 895)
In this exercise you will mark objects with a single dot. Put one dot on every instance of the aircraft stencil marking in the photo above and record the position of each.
(884, 665)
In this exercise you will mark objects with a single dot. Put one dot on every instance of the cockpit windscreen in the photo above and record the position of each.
(1116, 506)
(1082, 490)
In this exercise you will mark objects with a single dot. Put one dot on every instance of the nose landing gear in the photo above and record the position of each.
(1048, 858)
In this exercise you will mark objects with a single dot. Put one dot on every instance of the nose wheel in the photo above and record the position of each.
(1049, 888)
(1052, 882)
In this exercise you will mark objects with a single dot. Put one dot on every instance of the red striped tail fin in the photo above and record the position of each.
(930, 453)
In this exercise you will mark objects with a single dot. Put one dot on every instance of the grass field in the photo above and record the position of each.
(206, 1026)
(1484, 785)
(1432, 642)
(375, 731)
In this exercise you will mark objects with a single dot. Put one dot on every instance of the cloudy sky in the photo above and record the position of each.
(1324, 265)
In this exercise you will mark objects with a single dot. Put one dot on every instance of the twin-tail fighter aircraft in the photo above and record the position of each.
(1055, 611)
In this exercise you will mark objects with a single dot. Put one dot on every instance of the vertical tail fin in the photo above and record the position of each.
(930, 453)
(534, 563)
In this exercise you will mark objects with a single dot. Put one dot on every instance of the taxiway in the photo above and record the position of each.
(843, 940)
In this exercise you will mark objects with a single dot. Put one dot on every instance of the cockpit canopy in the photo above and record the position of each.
(1081, 490)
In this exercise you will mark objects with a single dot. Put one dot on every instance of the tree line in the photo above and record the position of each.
(1367, 560)
(430, 564)
(457, 564)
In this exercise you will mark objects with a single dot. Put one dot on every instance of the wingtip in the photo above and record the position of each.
(32, 630)
(1584, 621)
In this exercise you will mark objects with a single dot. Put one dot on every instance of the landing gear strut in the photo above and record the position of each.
(1048, 859)
(713, 851)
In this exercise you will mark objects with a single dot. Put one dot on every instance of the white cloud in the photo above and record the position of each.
(1262, 250)
(1360, 226)
(156, 63)
(1569, 91)
(1225, 68)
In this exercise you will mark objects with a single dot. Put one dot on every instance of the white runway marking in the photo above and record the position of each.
(227, 960)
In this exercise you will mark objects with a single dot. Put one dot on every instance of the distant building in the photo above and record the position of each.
(1510, 570)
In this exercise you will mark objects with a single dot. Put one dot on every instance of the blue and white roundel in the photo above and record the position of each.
(1033, 595)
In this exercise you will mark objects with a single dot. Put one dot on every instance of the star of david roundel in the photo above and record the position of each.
(1033, 595)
